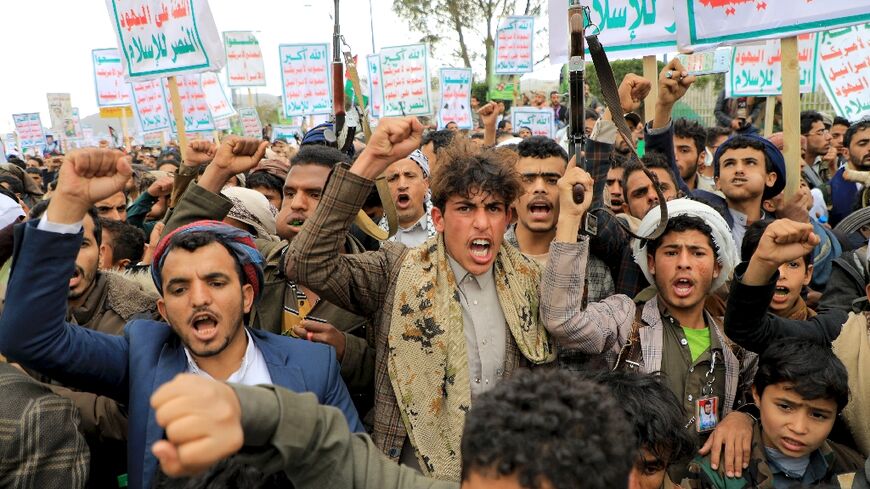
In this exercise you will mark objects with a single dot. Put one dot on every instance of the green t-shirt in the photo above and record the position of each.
(699, 341)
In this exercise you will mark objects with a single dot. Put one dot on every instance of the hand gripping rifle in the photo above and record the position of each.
(577, 21)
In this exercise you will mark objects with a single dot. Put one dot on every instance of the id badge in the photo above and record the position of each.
(706, 413)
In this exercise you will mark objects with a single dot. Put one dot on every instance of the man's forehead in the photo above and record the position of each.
(550, 164)
(404, 165)
(178, 261)
(309, 176)
(475, 196)
(742, 153)
(112, 199)
(687, 237)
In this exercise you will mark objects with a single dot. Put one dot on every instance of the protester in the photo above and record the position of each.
(846, 192)
(208, 274)
(689, 139)
(408, 180)
(121, 246)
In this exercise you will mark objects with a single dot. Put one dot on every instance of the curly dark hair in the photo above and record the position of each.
(463, 169)
(808, 118)
(813, 370)
(685, 128)
(541, 147)
(654, 410)
(439, 139)
(128, 241)
(549, 427)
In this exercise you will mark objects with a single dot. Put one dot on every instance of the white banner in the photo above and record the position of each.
(844, 70)
(29, 129)
(756, 70)
(713, 22)
(196, 115)
(405, 80)
(112, 89)
(159, 38)
(286, 133)
(455, 97)
(306, 85)
(251, 126)
(628, 28)
(218, 103)
(515, 46)
(151, 107)
(244, 60)
(376, 94)
(540, 121)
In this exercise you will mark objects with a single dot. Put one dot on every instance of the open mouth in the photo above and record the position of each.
(480, 250)
(403, 201)
(540, 210)
(792, 445)
(780, 294)
(76, 278)
(738, 181)
(296, 222)
(683, 287)
(205, 326)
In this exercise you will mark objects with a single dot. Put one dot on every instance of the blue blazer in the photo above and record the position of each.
(131, 367)
(843, 196)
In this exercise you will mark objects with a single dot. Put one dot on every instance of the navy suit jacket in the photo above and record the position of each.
(131, 367)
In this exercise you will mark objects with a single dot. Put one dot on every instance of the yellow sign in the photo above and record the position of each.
(115, 112)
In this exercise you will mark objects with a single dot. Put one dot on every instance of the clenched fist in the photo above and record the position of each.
(394, 139)
(87, 176)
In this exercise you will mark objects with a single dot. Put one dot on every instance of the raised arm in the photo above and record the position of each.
(355, 282)
(659, 135)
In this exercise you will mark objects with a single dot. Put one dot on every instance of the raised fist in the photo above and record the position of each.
(394, 139)
(87, 176)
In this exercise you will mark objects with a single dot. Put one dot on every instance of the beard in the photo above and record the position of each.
(183, 327)
(85, 284)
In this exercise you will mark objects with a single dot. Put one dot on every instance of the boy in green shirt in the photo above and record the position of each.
(800, 388)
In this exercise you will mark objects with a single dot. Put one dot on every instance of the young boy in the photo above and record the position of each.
(800, 388)
(794, 275)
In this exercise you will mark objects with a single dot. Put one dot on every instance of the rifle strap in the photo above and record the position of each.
(611, 97)
(368, 226)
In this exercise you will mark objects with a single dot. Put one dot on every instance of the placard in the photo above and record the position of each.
(59, 109)
(515, 46)
(627, 28)
(29, 129)
(197, 117)
(251, 126)
(111, 87)
(159, 38)
(215, 96)
(153, 139)
(709, 22)
(151, 107)
(540, 121)
(707, 62)
(72, 128)
(286, 132)
(306, 85)
(756, 70)
(376, 94)
(455, 97)
(244, 60)
(844, 70)
(405, 80)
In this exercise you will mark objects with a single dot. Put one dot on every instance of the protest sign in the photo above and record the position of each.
(111, 87)
(59, 109)
(72, 128)
(539, 121)
(223, 124)
(150, 103)
(215, 96)
(707, 62)
(244, 60)
(844, 68)
(194, 107)
(153, 139)
(626, 28)
(306, 86)
(455, 97)
(515, 46)
(709, 22)
(251, 126)
(376, 95)
(405, 80)
(11, 144)
(88, 136)
(756, 70)
(502, 88)
(29, 129)
(159, 38)
(286, 133)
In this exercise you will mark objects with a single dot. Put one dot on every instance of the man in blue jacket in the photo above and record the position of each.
(209, 276)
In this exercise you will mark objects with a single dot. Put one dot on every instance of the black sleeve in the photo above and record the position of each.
(749, 324)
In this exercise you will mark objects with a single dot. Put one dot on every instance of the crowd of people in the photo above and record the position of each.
(221, 315)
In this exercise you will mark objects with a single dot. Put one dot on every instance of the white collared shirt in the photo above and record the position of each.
(414, 235)
(252, 371)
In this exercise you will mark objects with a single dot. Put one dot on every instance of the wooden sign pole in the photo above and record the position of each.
(791, 114)
(769, 111)
(179, 116)
(124, 128)
(250, 98)
(651, 73)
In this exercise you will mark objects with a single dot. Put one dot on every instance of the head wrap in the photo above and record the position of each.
(276, 167)
(771, 151)
(252, 208)
(10, 211)
(239, 242)
(320, 134)
(421, 160)
(726, 251)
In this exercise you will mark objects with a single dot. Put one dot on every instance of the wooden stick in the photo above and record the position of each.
(769, 111)
(791, 114)
(179, 116)
(651, 73)
(250, 98)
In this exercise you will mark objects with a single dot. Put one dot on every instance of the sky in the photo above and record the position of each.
(47, 43)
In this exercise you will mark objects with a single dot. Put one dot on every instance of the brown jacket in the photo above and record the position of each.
(362, 283)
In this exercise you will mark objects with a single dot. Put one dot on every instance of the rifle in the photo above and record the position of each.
(344, 132)
(578, 17)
